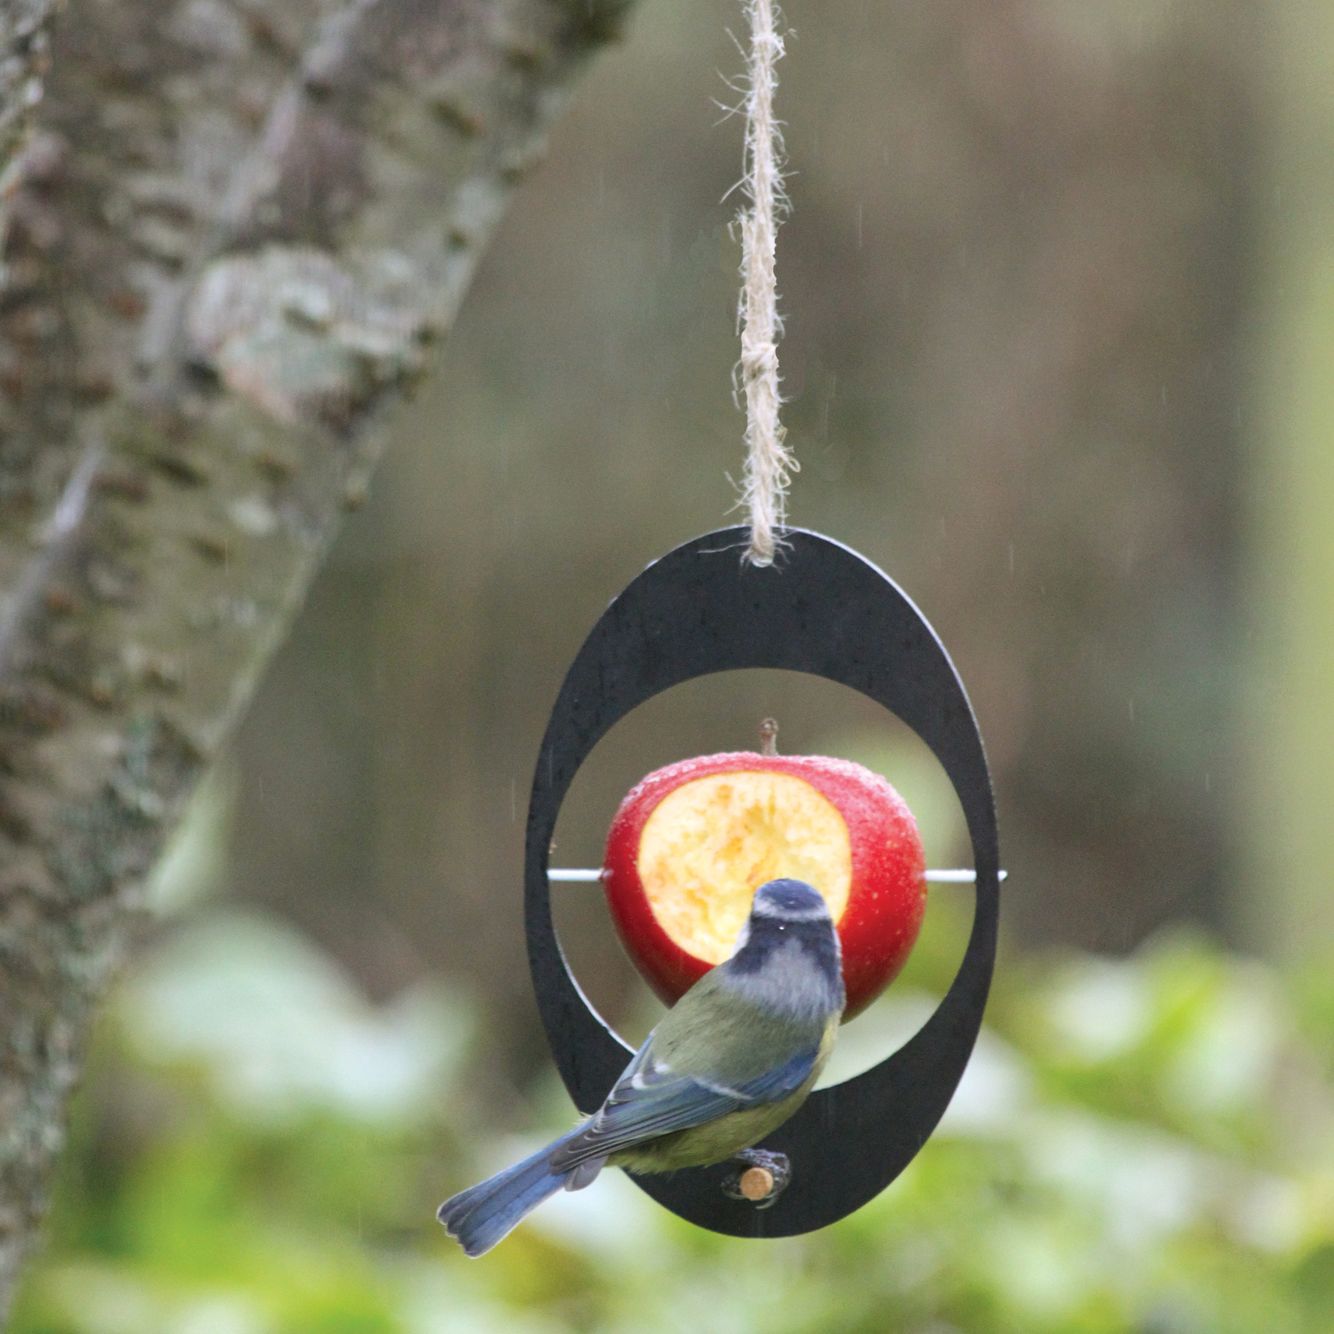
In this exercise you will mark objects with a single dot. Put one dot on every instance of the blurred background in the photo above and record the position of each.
(1059, 291)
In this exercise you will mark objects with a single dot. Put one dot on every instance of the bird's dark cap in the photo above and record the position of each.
(792, 900)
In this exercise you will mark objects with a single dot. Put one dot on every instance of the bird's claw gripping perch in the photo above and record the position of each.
(760, 1177)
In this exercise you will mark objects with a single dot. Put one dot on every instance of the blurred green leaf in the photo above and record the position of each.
(1144, 1144)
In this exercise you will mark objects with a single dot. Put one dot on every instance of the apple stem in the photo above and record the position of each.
(768, 736)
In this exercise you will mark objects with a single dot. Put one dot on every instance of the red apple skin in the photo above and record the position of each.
(886, 900)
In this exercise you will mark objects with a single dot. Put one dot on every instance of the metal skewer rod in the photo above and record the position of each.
(591, 876)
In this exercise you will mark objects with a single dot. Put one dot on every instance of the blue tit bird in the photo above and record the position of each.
(726, 1066)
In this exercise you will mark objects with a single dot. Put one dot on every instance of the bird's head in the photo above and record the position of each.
(790, 940)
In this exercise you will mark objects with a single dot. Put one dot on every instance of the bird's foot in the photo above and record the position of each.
(761, 1177)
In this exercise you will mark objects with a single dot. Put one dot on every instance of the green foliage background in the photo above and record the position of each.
(1145, 1144)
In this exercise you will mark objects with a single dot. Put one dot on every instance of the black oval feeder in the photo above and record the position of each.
(824, 610)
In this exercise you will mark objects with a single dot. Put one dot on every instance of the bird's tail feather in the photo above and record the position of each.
(484, 1214)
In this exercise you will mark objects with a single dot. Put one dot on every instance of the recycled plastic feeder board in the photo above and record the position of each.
(824, 610)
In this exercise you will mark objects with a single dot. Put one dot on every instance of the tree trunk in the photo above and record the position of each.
(233, 231)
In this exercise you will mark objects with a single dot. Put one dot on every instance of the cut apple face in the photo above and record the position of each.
(693, 841)
(710, 843)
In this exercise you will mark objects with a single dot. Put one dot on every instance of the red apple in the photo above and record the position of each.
(693, 841)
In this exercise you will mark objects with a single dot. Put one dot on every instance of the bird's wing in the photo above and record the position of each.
(650, 1100)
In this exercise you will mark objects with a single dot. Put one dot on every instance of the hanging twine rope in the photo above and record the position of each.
(769, 462)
